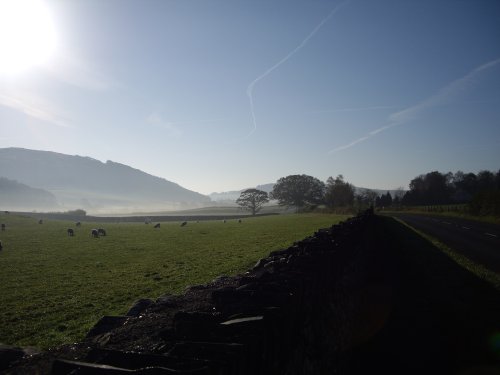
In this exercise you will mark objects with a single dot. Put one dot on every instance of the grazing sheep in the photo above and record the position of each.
(101, 232)
(78, 224)
(40, 221)
(239, 221)
(94, 233)
(71, 232)
(3, 226)
(184, 223)
(157, 225)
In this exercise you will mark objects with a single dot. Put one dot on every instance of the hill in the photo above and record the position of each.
(231, 196)
(83, 182)
(14, 195)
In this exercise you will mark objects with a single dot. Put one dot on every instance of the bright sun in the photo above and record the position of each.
(27, 35)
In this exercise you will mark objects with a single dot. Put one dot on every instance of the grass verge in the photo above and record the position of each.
(477, 269)
(461, 215)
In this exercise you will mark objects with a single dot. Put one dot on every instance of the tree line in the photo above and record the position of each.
(480, 192)
(306, 192)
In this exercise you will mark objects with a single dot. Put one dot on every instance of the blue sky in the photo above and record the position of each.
(220, 95)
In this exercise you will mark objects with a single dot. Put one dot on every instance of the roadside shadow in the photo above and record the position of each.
(439, 318)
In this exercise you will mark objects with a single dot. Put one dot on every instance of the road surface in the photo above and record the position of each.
(478, 241)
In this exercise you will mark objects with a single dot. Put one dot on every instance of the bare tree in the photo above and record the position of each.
(252, 200)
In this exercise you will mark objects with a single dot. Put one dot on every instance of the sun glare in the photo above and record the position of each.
(27, 35)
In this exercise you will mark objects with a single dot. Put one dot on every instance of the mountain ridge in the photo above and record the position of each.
(78, 181)
(14, 194)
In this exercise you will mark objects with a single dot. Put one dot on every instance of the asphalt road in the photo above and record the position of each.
(478, 241)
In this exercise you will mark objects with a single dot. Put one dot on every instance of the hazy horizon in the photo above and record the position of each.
(218, 96)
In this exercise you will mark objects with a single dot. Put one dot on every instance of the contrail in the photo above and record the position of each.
(34, 108)
(354, 109)
(441, 96)
(285, 59)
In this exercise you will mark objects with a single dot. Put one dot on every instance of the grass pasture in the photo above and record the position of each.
(53, 288)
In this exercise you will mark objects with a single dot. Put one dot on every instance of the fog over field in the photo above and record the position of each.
(71, 182)
(53, 182)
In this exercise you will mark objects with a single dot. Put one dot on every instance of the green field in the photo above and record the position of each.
(53, 288)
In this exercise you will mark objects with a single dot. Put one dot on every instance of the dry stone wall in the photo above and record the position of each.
(287, 315)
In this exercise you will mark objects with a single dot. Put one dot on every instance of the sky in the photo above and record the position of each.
(220, 95)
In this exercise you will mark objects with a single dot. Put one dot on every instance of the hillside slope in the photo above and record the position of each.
(82, 181)
(14, 195)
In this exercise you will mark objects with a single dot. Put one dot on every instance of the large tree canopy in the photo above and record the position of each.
(384, 200)
(252, 200)
(431, 188)
(298, 191)
(339, 193)
(481, 191)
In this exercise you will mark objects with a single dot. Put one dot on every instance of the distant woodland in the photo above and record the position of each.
(475, 194)
(481, 191)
